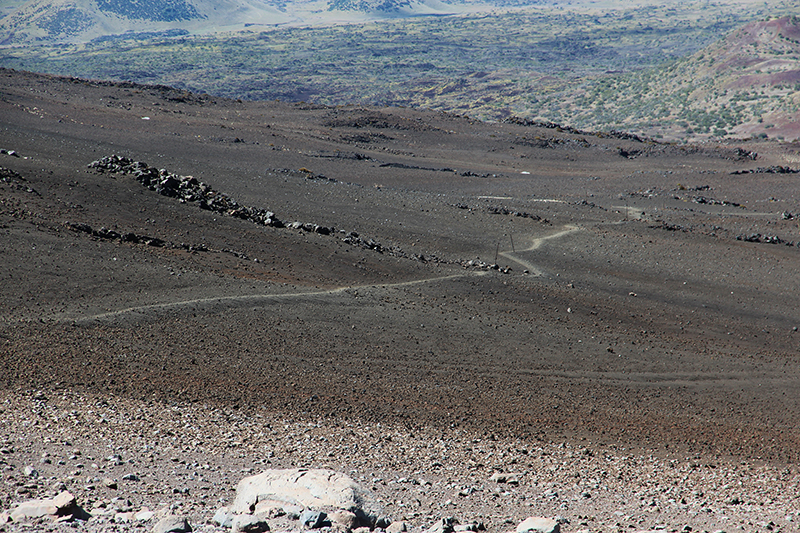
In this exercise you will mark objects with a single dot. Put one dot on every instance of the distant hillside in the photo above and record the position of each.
(746, 84)
(50, 21)
(54, 21)
(658, 70)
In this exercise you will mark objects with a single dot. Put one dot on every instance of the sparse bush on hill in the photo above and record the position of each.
(159, 10)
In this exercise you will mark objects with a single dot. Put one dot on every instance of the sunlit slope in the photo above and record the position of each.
(746, 84)
(53, 21)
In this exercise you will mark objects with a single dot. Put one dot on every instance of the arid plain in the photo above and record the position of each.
(508, 282)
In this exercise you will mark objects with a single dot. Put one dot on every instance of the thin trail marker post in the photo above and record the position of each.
(496, 252)
(511, 236)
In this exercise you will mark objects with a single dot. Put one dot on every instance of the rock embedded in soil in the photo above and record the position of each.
(315, 489)
(538, 524)
(249, 524)
(172, 524)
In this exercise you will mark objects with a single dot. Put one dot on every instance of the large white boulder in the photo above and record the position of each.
(318, 489)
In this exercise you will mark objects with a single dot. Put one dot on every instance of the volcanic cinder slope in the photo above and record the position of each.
(645, 294)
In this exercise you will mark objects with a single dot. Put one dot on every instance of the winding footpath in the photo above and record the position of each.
(263, 299)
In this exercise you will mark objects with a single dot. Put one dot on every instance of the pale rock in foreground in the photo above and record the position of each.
(245, 523)
(172, 524)
(317, 489)
(397, 527)
(62, 506)
(538, 524)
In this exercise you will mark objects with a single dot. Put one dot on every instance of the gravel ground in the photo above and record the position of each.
(187, 460)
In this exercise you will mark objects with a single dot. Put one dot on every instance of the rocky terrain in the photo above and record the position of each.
(487, 322)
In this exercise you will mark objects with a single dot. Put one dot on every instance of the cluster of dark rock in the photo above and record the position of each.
(185, 189)
(613, 134)
(471, 174)
(338, 154)
(415, 167)
(500, 210)
(774, 169)
(662, 224)
(16, 180)
(628, 154)
(189, 189)
(741, 153)
(136, 238)
(768, 239)
(712, 201)
(552, 142)
(105, 233)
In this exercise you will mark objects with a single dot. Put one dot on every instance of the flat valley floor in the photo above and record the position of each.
(604, 315)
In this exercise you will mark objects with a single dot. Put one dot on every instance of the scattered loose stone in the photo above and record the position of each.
(172, 524)
(222, 518)
(245, 523)
(445, 525)
(510, 478)
(347, 519)
(144, 515)
(397, 527)
(312, 519)
(63, 506)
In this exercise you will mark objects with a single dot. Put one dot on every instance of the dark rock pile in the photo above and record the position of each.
(774, 169)
(185, 188)
(768, 239)
(136, 238)
(105, 233)
(190, 189)
(500, 210)
(712, 201)
(668, 226)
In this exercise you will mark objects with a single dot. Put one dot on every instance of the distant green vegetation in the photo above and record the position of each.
(161, 10)
(587, 68)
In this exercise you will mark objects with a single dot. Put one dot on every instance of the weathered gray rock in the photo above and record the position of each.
(318, 489)
(539, 524)
(445, 525)
(172, 524)
(144, 515)
(310, 519)
(508, 477)
(397, 527)
(272, 509)
(222, 518)
(246, 523)
(33, 509)
(347, 519)
(63, 505)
